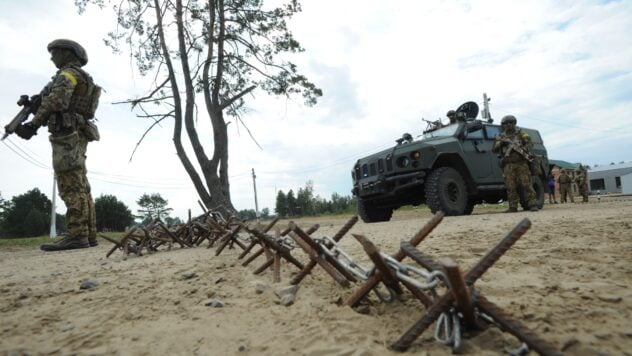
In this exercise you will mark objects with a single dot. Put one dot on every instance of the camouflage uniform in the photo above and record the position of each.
(66, 112)
(565, 187)
(515, 167)
(582, 183)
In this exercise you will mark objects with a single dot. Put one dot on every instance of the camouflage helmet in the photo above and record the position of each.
(508, 119)
(451, 113)
(75, 47)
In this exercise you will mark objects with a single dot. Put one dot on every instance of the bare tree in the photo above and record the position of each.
(221, 49)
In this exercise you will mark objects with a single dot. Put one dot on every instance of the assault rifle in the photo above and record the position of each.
(29, 106)
(516, 145)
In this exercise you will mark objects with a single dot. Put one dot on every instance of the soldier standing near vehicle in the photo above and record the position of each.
(452, 116)
(565, 181)
(514, 148)
(68, 109)
(582, 183)
(551, 183)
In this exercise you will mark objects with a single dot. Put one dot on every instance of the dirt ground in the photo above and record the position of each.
(568, 279)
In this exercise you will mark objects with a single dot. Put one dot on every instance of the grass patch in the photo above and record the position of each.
(26, 242)
(37, 241)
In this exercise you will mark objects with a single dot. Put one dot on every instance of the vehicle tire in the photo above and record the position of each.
(446, 191)
(538, 186)
(371, 214)
(468, 208)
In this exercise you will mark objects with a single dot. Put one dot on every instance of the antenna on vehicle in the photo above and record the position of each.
(485, 113)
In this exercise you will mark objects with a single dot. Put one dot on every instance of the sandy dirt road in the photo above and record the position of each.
(569, 278)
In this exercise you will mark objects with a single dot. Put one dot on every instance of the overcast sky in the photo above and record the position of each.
(562, 67)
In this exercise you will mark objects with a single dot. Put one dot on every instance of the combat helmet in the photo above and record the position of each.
(451, 113)
(507, 119)
(75, 47)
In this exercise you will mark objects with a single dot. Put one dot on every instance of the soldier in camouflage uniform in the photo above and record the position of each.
(565, 181)
(512, 145)
(68, 109)
(582, 183)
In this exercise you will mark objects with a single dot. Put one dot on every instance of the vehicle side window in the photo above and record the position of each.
(475, 135)
(492, 131)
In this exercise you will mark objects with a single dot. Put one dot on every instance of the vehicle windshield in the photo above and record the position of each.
(447, 131)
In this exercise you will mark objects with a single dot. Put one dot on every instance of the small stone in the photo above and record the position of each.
(188, 275)
(286, 290)
(610, 298)
(215, 303)
(363, 309)
(66, 327)
(287, 300)
(242, 348)
(89, 283)
(261, 287)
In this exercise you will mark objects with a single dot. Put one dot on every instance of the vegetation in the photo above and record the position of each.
(27, 215)
(306, 204)
(112, 214)
(153, 206)
(221, 49)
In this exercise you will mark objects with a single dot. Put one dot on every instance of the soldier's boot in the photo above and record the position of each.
(533, 208)
(511, 210)
(93, 241)
(67, 244)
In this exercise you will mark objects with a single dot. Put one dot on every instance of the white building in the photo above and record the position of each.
(609, 179)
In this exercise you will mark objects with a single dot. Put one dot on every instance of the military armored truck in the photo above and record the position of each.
(449, 168)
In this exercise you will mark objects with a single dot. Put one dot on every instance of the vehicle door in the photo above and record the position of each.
(491, 131)
(477, 152)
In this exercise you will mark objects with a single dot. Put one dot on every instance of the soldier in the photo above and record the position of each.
(582, 183)
(514, 148)
(565, 181)
(452, 116)
(67, 110)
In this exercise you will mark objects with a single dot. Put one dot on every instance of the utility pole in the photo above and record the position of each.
(254, 184)
(53, 215)
(486, 114)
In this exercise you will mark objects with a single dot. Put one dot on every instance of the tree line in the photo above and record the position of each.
(28, 214)
(305, 203)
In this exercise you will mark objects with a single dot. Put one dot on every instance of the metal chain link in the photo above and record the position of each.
(448, 330)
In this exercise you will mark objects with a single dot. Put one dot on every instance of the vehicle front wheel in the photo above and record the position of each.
(445, 190)
(370, 213)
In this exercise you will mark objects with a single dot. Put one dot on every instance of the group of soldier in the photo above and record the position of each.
(565, 181)
(514, 148)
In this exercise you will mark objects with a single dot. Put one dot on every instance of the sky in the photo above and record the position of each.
(561, 67)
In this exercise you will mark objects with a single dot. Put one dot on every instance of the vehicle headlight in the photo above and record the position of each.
(402, 161)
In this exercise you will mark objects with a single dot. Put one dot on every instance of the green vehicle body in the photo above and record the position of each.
(449, 168)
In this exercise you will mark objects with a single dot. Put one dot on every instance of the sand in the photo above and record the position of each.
(568, 279)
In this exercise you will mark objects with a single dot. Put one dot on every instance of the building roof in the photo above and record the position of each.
(563, 164)
(609, 167)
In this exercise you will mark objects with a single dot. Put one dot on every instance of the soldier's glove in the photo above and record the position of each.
(26, 131)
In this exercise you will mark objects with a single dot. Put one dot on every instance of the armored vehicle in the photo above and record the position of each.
(449, 168)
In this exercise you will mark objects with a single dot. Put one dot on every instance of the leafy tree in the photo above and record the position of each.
(223, 49)
(27, 215)
(247, 214)
(112, 214)
(281, 204)
(153, 206)
(173, 221)
(305, 199)
(265, 213)
(291, 203)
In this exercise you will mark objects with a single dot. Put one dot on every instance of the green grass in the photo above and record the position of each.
(36, 241)
(26, 242)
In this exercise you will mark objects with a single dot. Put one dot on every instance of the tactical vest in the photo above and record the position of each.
(85, 98)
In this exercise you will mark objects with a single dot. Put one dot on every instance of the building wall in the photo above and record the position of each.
(609, 177)
(626, 184)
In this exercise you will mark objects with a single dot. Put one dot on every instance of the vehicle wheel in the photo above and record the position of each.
(445, 190)
(468, 208)
(370, 213)
(538, 186)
